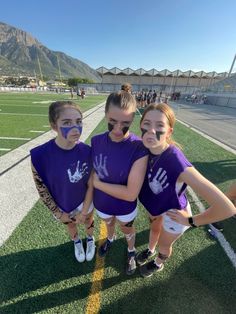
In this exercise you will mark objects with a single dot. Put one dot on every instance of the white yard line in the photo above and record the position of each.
(15, 138)
(23, 114)
(5, 149)
(220, 237)
(35, 131)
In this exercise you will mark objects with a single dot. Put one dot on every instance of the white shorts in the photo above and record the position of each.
(78, 209)
(172, 226)
(122, 218)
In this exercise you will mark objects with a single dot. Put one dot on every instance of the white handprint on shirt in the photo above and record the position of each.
(100, 166)
(79, 172)
(158, 183)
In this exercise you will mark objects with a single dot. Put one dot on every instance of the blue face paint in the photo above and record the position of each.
(66, 130)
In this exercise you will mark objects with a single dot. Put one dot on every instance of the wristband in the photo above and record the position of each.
(190, 221)
(56, 217)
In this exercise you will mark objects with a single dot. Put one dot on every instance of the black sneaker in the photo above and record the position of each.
(102, 251)
(143, 257)
(218, 226)
(131, 263)
(147, 270)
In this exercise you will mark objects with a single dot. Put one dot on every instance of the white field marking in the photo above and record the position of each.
(24, 114)
(5, 149)
(15, 138)
(42, 102)
(35, 131)
(229, 149)
(225, 244)
(27, 106)
(46, 126)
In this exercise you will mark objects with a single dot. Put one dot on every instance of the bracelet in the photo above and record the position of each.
(56, 217)
(190, 221)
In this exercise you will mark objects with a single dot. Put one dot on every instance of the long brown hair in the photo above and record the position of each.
(168, 112)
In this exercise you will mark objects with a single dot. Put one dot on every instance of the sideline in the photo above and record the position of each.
(17, 189)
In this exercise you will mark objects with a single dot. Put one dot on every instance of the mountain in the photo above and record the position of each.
(22, 54)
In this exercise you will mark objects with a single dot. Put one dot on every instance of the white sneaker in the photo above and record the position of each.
(79, 251)
(90, 249)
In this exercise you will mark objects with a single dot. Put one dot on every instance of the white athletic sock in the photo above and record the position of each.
(133, 250)
(152, 251)
(158, 265)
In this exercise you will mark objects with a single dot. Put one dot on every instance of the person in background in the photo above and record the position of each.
(62, 174)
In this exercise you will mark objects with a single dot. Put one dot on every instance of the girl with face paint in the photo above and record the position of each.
(62, 174)
(119, 160)
(163, 191)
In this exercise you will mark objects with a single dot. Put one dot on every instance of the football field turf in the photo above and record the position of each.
(24, 116)
(38, 271)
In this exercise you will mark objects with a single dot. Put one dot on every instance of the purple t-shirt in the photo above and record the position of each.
(112, 162)
(64, 172)
(160, 191)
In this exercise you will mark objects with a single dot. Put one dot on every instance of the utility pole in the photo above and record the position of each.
(232, 66)
(59, 68)
(40, 70)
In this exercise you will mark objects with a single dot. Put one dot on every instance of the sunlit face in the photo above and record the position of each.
(69, 125)
(119, 121)
(155, 129)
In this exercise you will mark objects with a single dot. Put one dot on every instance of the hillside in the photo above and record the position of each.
(20, 52)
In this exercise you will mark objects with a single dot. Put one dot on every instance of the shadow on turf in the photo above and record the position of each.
(26, 271)
(214, 170)
(200, 276)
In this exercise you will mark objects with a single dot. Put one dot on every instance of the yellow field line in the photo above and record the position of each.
(93, 304)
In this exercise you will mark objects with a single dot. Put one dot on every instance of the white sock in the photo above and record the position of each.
(158, 265)
(77, 240)
(133, 250)
(152, 251)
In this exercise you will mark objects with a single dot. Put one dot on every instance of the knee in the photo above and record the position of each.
(90, 225)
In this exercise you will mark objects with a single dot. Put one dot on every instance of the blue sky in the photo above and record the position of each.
(172, 34)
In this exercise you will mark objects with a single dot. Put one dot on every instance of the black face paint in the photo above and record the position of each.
(158, 134)
(110, 127)
(143, 131)
(124, 129)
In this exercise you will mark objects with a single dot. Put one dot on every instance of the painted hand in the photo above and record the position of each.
(158, 183)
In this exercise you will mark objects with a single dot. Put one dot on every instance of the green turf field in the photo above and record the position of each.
(40, 274)
(25, 115)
